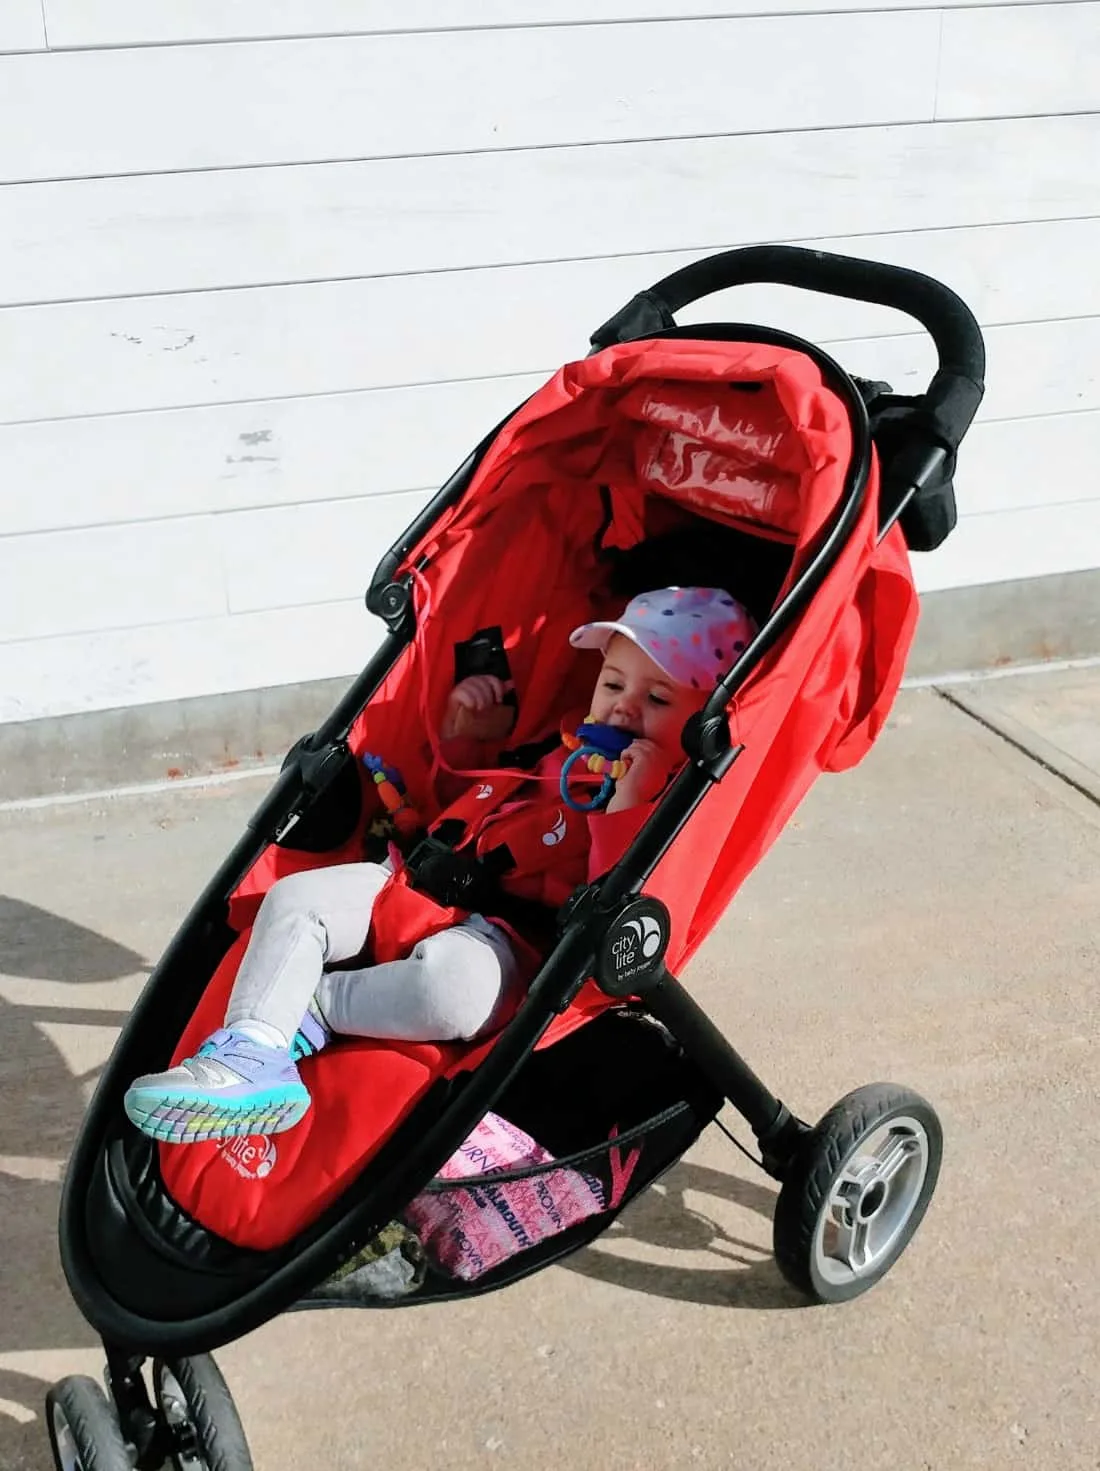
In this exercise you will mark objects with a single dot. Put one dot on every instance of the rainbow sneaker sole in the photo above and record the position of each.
(233, 1086)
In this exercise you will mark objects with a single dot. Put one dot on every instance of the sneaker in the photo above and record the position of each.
(233, 1086)
(311, 1036)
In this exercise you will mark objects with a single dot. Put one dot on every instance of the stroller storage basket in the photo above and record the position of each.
(594, 1083)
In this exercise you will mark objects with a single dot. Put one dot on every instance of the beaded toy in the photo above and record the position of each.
(600, 748)
(391, 792)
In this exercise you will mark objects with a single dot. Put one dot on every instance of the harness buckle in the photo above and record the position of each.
(453, 879)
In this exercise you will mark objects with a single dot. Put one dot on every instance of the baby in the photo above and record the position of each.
(661, 659)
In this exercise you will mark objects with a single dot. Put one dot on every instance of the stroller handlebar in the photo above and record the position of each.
(957, 387)
(944, 315)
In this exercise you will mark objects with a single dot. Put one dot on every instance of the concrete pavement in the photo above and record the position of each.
(932, 918)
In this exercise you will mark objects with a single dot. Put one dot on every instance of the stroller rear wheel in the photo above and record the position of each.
(203, 1425)
(84, 1433)
(856, 1191)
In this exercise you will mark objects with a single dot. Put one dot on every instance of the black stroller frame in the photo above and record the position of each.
(112, 1203)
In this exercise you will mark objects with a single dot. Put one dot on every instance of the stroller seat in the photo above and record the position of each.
(617, 497)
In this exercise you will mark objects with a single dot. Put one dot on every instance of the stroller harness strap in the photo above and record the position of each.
(488, 848)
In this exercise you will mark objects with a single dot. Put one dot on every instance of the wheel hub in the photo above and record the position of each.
(860, 1194)
(872, 1197)
(871, 1201)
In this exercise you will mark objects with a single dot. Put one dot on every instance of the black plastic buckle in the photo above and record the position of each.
(451, 879)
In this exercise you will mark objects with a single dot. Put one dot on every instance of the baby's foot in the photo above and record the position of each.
(233, 1086)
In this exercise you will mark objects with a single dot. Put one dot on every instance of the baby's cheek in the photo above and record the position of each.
(664, 732)
(672, 724)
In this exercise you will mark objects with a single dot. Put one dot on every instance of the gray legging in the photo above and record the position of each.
(458, 983)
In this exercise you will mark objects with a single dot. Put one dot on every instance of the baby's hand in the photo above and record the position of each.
(475, 709)
(649, 768)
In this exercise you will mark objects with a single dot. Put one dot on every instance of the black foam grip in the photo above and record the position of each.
(945, 315)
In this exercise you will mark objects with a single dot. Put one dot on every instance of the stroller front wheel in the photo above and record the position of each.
(204, 1427)
(84, 1433)
(856, 1191)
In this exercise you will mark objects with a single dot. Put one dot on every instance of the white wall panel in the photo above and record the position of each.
(177, 661)
(187, 107)
(1006, 545)
(109, 577)
(136, 22)
(140, 467)
(149, 466)
(233, 368)
(1017, 464)
(310, 553)
(21, 27)
(1020, 60)
(154, 352)
(182, 232)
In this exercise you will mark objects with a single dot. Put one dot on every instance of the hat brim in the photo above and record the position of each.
(599, 635)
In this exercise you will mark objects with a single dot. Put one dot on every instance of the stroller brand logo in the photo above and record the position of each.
(648, 932)
(484, 792)
(639, 942)
(634, 947)
(252, 1158)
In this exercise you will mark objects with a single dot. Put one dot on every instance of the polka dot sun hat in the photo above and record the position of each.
(695, 634)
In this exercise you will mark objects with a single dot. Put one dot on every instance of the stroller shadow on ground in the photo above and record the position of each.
(42, 946)
(744, 1274)
(44, 1104)
(24, 1444)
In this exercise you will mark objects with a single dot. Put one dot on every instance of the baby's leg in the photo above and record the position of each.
(307, 920)
(243, 1079)
(458, 983)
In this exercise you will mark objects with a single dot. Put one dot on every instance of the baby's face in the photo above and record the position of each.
(632, 692)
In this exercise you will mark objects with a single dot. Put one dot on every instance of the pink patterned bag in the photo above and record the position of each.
(468, 1230)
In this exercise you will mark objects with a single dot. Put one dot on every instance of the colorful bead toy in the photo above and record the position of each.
(391, 792)
(600, 748)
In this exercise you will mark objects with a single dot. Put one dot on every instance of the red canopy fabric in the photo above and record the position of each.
(740, 433)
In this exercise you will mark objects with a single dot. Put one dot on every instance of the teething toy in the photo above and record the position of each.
(391, 792)
(600, 748)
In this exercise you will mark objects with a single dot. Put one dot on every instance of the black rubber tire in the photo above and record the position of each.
(821, 1158)
(219, 1437)
(96, 1433)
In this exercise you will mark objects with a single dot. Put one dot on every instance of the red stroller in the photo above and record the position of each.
(727, 455)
